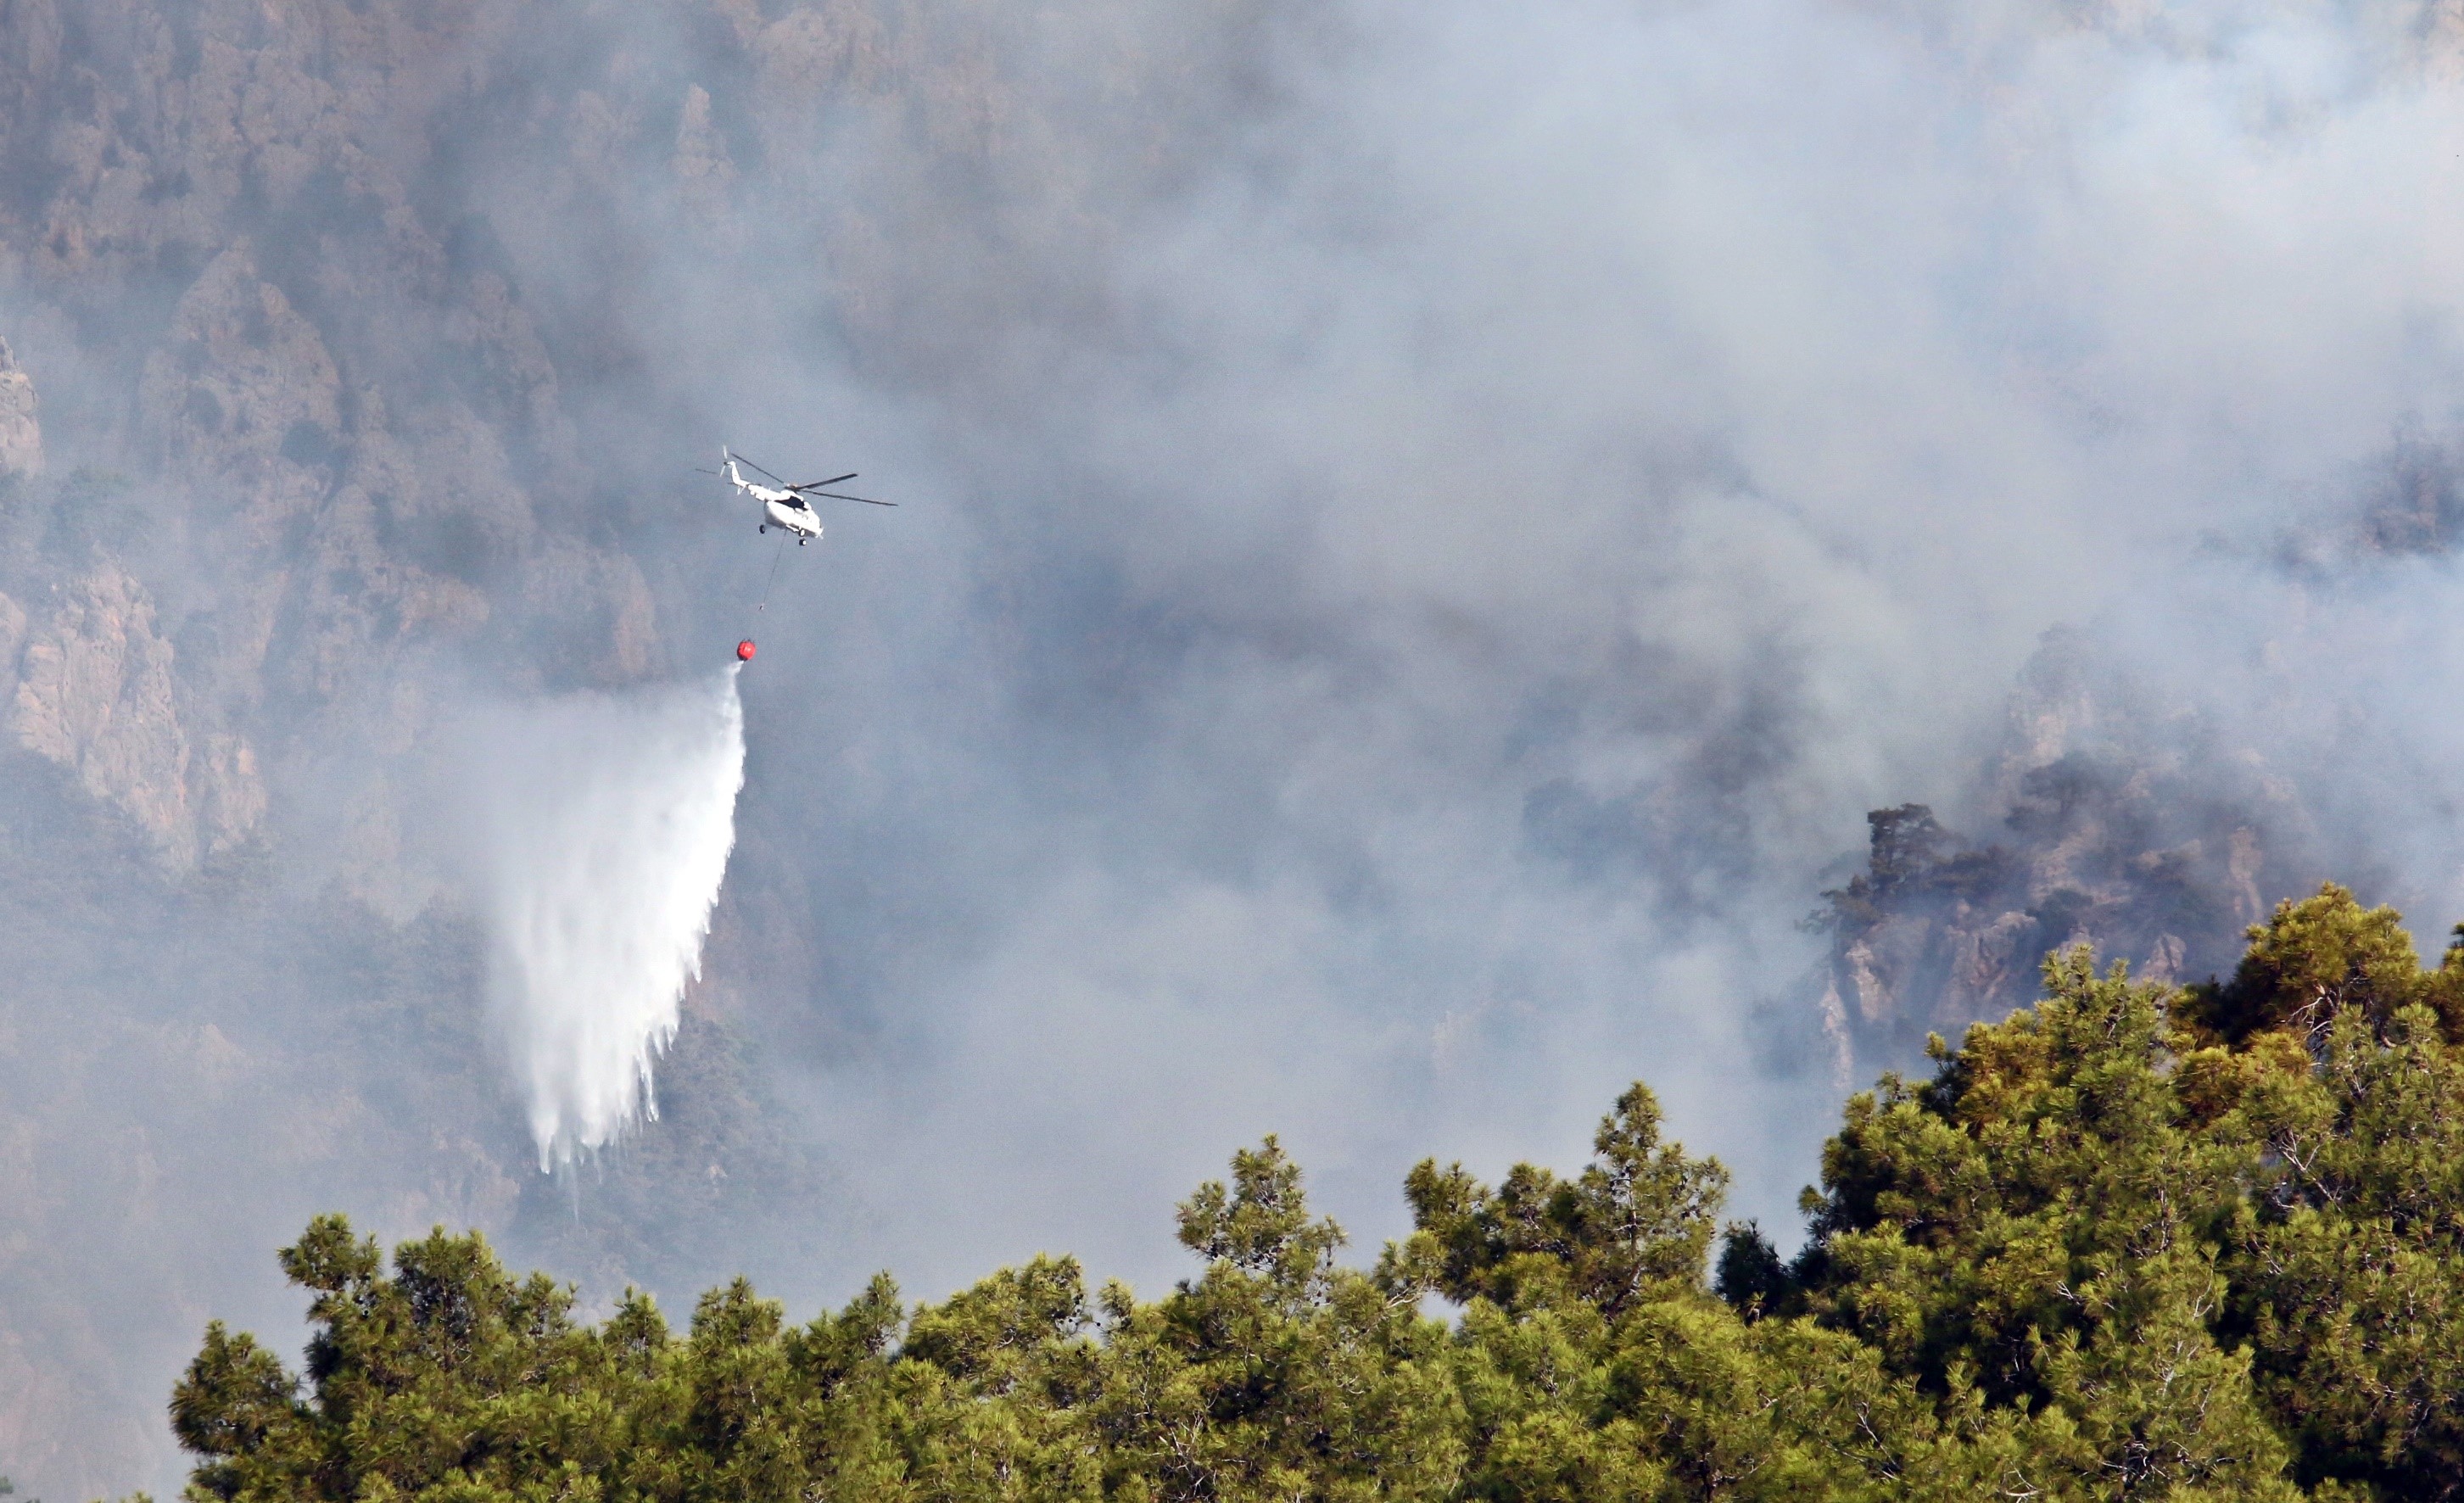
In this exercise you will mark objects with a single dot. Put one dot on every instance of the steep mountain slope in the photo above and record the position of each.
(337, 392)
(276, 430)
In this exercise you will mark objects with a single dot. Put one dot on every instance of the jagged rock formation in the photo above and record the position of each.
(2111, 818)
(21, 434)
(2120, 826)
(96, 695)
(346, 413)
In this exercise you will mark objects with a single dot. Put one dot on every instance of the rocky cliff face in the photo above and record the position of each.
(2114, 824)
(21, 430)
(303, 433)
(96, 694)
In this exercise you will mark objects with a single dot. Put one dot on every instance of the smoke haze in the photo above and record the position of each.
(1423, 531)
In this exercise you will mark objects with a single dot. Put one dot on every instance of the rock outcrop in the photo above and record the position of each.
(96, 695)
(2116, 830)
(21, 434)
(13, 637)
(243, 391)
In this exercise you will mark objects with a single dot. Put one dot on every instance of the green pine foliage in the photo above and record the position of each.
(2135, 1243)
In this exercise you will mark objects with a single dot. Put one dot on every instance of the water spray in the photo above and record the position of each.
(605, 821)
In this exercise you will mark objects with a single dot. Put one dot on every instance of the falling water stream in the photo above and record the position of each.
(605, 823)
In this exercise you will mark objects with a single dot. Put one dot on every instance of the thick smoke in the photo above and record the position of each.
(1424, 530)
(603, 823)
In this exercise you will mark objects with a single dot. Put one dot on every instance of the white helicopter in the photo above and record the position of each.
(785, 506)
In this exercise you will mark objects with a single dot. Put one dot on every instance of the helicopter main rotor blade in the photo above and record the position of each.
(866, 499)
(749, 465)
(815, 485)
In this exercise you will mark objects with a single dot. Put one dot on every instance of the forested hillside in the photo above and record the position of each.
(2136, 1242)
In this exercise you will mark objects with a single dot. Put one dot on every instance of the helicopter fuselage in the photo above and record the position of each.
(785, 506)
(791, 512)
